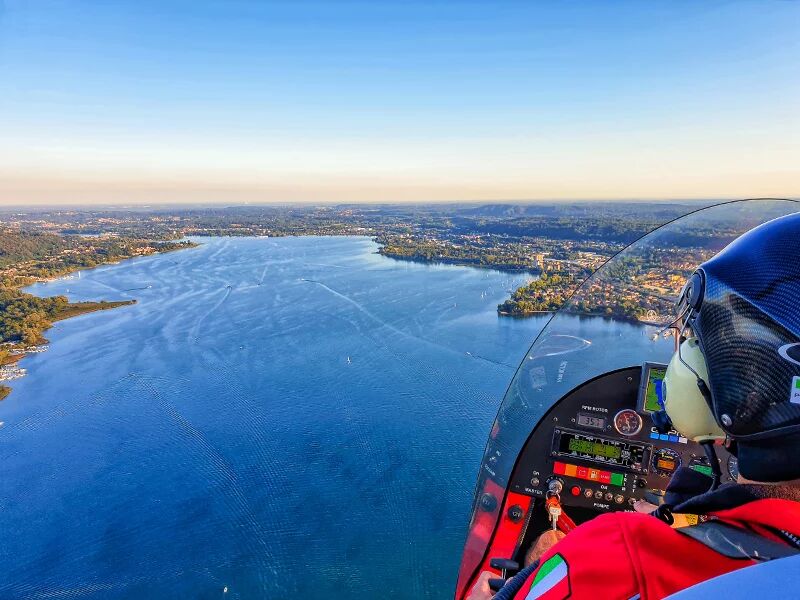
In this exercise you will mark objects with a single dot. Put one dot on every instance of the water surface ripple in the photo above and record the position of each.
(284, 418)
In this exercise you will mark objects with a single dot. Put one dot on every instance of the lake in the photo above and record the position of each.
(275, 418)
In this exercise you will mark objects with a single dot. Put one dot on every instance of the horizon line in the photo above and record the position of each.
(185, 204)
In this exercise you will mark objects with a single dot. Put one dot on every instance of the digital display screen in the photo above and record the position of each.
(609, 451)
(591, 421)
(653, 391)
(598, 449)
(665, 464)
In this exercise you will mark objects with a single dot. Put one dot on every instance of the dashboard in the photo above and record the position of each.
(600, 445)
(598, 448)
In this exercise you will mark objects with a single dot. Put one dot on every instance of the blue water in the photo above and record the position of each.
(216, 435)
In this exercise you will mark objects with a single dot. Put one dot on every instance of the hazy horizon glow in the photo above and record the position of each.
(231, 102)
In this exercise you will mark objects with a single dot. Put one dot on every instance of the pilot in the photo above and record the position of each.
(734, 379)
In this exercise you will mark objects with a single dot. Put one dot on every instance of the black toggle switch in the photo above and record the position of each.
(515, 513)
(496, 583)
(504, 564)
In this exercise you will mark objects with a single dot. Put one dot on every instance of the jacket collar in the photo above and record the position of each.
(686, 494)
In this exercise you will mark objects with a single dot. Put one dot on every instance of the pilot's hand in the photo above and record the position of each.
(678, 519)
(546, 541)
(481, 589)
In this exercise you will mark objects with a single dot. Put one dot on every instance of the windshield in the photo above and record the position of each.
(615, 319)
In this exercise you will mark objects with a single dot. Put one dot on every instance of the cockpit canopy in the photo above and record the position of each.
(617, 319)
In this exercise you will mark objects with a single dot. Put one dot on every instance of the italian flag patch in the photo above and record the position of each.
(551, 581)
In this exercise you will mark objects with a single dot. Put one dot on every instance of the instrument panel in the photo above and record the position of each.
(600, 443)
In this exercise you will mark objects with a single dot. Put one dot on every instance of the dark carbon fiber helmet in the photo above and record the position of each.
(746, 307)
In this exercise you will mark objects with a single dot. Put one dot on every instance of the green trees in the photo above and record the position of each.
(16, 246)
(24, 317)
(26, 256)
(507, 257)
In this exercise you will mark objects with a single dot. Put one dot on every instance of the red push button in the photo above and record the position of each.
(575, 490)
(605, 477)
(582, 473)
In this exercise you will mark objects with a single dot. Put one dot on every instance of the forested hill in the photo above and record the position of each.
(17, 246)
(28, 256)
(612, 231)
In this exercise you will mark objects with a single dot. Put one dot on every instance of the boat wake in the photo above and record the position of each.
(396, 330)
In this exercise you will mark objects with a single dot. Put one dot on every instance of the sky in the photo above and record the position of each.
(235, 101)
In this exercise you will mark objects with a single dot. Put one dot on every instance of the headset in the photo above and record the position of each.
(686, 397)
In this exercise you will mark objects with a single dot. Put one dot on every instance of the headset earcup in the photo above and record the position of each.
(685, 403)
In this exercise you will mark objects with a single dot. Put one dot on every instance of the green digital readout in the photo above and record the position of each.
(623, 453)
(598, 449)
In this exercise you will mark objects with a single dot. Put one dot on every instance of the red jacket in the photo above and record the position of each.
(622, 555)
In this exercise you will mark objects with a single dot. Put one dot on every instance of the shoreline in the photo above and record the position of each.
(460, 263)
(111, 263)
(612, 317)
(16, 351)
(12, 352)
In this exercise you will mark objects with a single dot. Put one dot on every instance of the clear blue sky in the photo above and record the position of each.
(328, 101)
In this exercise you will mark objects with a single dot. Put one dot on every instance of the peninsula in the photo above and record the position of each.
(28, 257)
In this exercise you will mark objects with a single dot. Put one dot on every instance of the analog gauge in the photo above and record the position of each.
(733, 467)
(628, 422)
(665, 461)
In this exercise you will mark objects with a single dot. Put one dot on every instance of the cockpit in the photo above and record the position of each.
(577, 420)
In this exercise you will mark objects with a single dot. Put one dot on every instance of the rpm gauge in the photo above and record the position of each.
(628, 422)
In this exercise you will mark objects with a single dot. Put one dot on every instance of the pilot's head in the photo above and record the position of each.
(736, 375)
